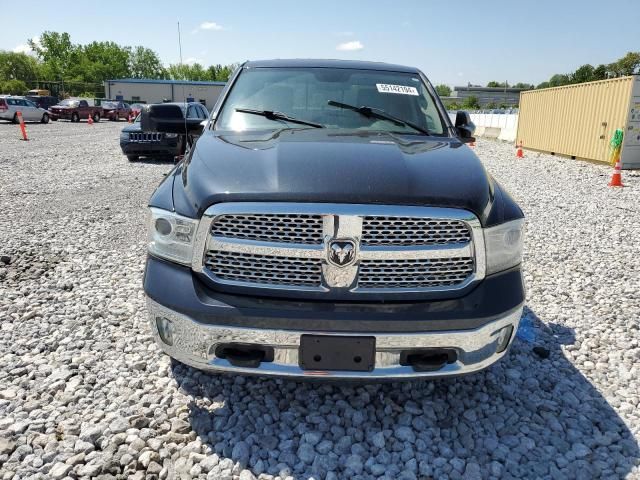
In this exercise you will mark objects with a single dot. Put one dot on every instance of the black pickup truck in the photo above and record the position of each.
(330, 221)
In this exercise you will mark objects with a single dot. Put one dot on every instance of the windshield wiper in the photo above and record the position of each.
(372, 112)
(271, 115)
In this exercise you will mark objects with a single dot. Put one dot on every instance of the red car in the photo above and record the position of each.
(114, 111)
(75, 110)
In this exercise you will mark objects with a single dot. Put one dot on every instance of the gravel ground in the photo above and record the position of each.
(85, 393)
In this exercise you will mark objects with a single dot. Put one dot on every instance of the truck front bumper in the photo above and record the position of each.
(190, 321)
(59, 115)
(167, 147)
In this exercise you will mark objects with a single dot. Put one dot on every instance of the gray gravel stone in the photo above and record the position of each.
(60, 470)
(378, 440)
(306, 453)
(241, 452)
(99, 387)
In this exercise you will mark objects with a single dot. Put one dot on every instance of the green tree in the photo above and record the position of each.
(600, 72)
(585, 73)
(558, 80)
(543, 85)
(56, 52)
(524, 86)
(102, 60)
(85, 67)
(494, 84)
(184, 71)
(627, 65)
(491, 105)
(443, 90)
(145, 63)
(177, 71)
(471, 103)
(18, 66)
(13, 87)
(224, 72)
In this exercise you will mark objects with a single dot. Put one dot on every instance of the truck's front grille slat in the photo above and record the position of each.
(266, 270)
(145, 136)
(282, 228)
(411, 231)
(422, 273)
(288, 247)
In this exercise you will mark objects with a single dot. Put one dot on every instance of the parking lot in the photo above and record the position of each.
(84, 391)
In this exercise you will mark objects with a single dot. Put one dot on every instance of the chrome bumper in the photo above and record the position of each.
(194, 344)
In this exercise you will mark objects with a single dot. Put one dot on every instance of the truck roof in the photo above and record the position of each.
(315, 63)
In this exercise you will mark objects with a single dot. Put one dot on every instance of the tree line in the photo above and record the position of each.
(627, 65)
(75, 68)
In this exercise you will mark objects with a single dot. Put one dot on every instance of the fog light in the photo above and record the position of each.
(504, 336)
(165, 330)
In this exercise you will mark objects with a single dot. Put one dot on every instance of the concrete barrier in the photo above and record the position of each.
(501, 126)
(491, 132)
(494, 125)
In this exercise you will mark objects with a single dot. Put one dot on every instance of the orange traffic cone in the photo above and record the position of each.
(616, 178)
(23, 129)
(519, 153)
(90, 120)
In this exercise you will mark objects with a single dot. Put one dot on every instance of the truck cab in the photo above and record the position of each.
(330, 221)
(75, 110)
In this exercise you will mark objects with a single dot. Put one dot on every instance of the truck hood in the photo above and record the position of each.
(329, 166)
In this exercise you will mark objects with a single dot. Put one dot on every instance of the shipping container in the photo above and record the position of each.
(579, 120)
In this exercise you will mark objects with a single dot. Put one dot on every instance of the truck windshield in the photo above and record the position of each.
(315, 95)
(70, 103)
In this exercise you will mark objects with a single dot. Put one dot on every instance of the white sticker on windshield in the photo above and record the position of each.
(399, 89)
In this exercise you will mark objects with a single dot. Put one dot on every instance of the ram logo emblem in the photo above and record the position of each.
(342, 253)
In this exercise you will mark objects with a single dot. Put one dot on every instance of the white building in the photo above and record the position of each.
(156, 91)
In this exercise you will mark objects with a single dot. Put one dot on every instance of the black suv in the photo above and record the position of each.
(45, 102)
(136, 143)
(331, 222)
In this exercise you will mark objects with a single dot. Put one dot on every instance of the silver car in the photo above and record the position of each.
(10, 106)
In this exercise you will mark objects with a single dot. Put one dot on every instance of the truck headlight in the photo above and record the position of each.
(504, 245)
(171, 135)
(171, 236)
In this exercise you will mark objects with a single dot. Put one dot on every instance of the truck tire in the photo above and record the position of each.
(96, 117)
(132, 158)
(75, 117)
(45, 118)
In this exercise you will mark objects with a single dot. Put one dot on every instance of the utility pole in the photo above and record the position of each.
(505, 92)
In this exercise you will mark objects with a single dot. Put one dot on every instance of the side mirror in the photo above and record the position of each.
(465, 127)
(168, 118)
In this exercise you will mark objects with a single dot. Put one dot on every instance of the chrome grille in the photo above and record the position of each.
(145, 136)
(408, 231)
(421, 273)
(262, 269)
(287, 248)
(284, 228)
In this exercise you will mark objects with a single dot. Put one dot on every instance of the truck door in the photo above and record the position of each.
(83, 109)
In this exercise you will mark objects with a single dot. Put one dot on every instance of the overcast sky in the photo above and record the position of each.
(453, 42)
